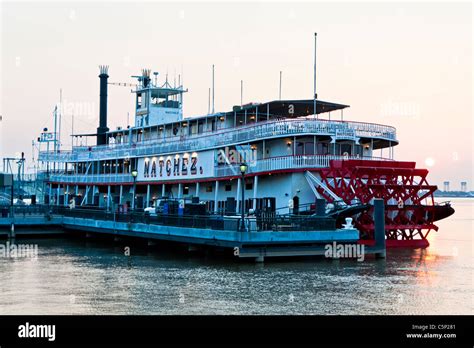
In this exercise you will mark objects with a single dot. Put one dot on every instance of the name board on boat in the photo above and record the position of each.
(189, 165)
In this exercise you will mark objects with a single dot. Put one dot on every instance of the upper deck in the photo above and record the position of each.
(162, 144)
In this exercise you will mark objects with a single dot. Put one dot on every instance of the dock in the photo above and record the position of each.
(283, 237)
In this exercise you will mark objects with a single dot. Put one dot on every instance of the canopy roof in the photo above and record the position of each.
(289, 108)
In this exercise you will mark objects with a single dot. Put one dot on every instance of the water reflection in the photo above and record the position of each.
(97, 277)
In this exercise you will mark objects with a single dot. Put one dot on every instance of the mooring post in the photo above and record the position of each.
(11, 235)
(379, 219)
(320, 207)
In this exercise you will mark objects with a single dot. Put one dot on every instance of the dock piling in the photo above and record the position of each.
(379, 219)
(11, 234)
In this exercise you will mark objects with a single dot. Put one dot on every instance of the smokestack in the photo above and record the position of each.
(101, 136)
(146, 77)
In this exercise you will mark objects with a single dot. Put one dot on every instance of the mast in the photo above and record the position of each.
(213, 88)
(279, 94)
(315, 94)
(72, 130)
(55, 113)
(60, 116)
(209, 102)
(241, 92)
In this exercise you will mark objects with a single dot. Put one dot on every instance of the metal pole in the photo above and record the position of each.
(242, 185)
(55, 129)
(11, 198)
(213, 88)
(379, 226)
(279, 94)
(209, 102)
(315, 94)
(60, 117)
(12, 215)
(72, 131)
(134, 192)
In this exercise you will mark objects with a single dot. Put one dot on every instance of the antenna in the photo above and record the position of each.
(60, 116)
(213, 89)
(209, 102)
(279, 94)
(315, 94)
(72, 130)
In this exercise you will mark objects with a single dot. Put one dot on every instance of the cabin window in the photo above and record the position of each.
(309, 148)
(323, 148)
(228, 187)
(185, 190)
(209, 188)
(346, 148)
(249, 186)
(299, 148)
(358, 151)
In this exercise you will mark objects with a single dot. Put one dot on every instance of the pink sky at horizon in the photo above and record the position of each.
(408, 65)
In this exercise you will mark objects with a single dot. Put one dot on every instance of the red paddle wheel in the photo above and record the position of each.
(410, 210)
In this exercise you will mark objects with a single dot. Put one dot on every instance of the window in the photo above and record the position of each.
(323, 148)
(185, 190)
(249, 185)
(309, 148)
(346, 148)
(299, 148)
(209, 188)
(228, 187)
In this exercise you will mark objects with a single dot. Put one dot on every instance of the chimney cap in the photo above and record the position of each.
(104, 69)
(146, 72)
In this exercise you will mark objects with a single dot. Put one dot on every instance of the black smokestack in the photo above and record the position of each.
(146, 77)
(102, 130)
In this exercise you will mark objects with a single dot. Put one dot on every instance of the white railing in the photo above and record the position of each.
(258, 166)
(254, 132)
(90, 179)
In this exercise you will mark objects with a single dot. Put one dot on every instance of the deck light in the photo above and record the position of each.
(134, 174)
(243, 168)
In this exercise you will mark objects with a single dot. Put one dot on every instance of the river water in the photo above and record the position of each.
(79, 276)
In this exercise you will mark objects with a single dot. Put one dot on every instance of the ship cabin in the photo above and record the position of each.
(165, 154)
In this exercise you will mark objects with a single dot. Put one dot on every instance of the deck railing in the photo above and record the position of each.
(225, 137)
(254, 167)
(272, 222)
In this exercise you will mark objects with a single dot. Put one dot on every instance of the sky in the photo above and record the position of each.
(408, 65)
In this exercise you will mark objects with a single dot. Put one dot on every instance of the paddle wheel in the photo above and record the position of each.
(410, 210)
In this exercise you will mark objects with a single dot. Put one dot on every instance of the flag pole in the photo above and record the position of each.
(315, 96)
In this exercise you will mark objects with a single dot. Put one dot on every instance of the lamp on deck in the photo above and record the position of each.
(243, 170)
(134, 176)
